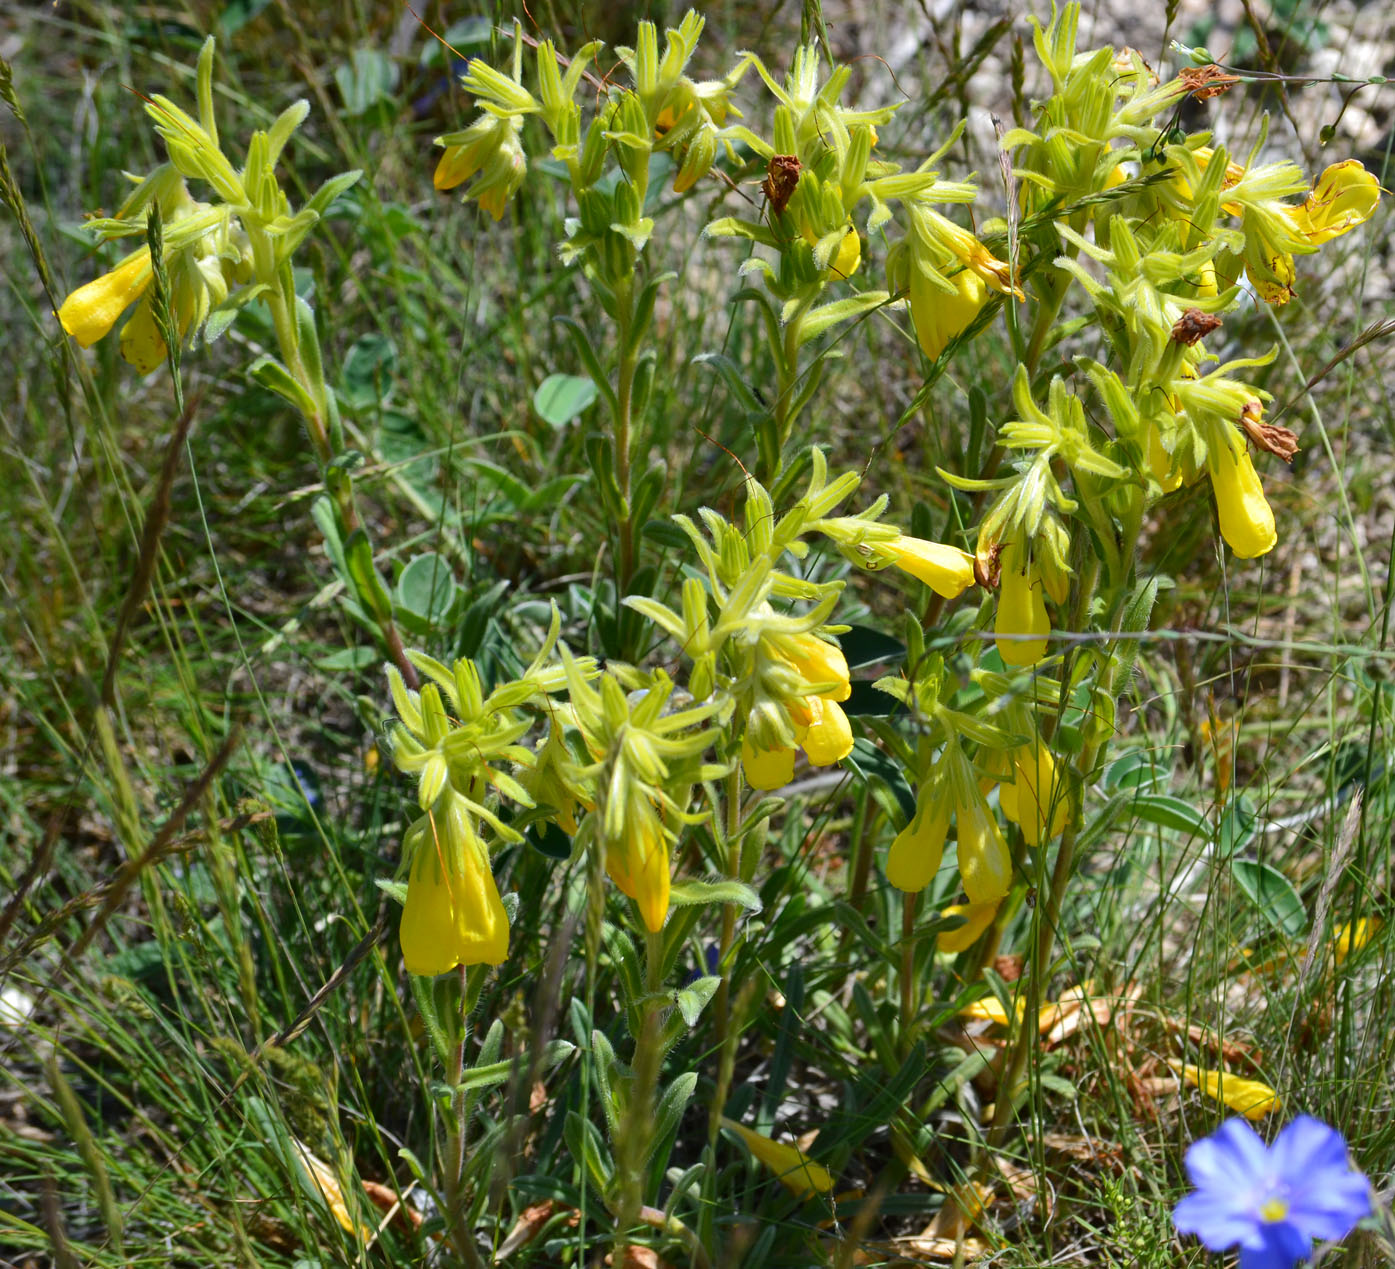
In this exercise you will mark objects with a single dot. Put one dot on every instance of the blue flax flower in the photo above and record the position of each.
(1273, 1201)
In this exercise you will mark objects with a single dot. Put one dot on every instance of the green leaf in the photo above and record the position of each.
(271, 374)
(369, 367)
(548, 839)
(222, 317)
(684, 893)
(581, 340)
(427, 590)
(818, 320)
(1273, 894)
(490, 1073)
(321, 200)
(1170, 812)
(731, 372)
(561, 398)
(1137, 769)
(367, 79)
(671, 1106)
(881, 774)
(1237, 828)
(348, 659)
(423, 993)
(363, 574)
(863, 646)
(395, 890)
(692, 1000)
(584, 1142)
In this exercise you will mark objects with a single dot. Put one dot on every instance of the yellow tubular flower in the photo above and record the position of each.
(1247, 521)
(766, 769)
(828, 737)
(977, 918)
(1021, 610)
(1246, 1097)
(1344, 197)
(984, 862)
(453, 914)
(915, 855)
(90, 312)
(819, 661)
(1037, 801)
(947, 570)
(796, 1172)
(640, 867)
(938, 315)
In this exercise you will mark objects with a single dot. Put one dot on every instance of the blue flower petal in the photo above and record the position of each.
(1220, 1218)
(1282, 1247)
(1326, 1199)
(1330, 1206)
(1305, 1146)
(1232, 1160)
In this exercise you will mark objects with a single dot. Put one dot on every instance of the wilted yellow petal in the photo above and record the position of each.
(798, 1173)
(1246, 1097)
(327, 1183)
(990, 1009)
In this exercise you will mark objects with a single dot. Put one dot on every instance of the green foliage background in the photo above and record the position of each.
(182, 874)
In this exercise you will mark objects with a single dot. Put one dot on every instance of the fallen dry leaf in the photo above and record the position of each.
(526, 1228)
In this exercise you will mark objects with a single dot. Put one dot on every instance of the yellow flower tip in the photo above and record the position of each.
(977, 918)
(90, 312)
(849, 257)
(1035, 801)
(829, 737)
(1165, 472)
(1245, 1097)
(142, 345)
(766, 769)
(985, 866)
(455, 167)
(819, 661)
(947, 570)
(939, 316)
(1345, 196)
(915, 854)
(494, 201)
(639, 868)
(450, 919)
(1021, 612)
(798, 1173)
(1352, 936)
(1247, 521)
